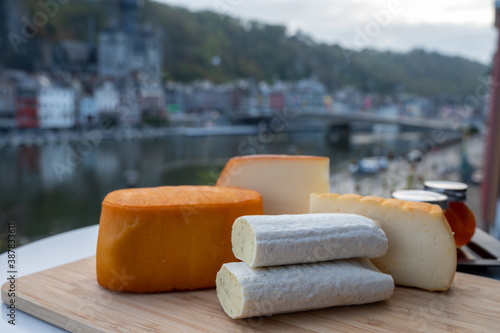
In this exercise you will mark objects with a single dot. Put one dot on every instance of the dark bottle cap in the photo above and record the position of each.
(455, 191)
(422, 196)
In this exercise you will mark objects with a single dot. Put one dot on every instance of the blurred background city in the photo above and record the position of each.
(98, 95)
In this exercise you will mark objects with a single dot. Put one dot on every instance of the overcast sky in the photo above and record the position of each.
(453, 27)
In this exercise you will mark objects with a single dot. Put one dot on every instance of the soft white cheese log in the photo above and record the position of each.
(285, 182)
(245, 292)
(271, 240)
(421, 251)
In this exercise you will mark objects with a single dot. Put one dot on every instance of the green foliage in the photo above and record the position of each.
(71, 19)
(266, 52)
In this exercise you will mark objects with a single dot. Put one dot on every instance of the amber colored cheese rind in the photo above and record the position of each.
(168, 238)
(284, 181)
(421, 251)
(175, 196)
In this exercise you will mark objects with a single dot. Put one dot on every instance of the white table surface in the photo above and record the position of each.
(38, 256)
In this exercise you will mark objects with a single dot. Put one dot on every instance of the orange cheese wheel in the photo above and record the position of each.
(168, 238)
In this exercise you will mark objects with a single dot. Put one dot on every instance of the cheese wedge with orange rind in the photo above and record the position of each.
(421, 250)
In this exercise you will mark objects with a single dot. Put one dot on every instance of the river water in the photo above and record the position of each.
(54, 188)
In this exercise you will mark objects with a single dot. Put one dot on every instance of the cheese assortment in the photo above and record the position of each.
(421, 249)
(271, 240)
(245, 292)
(285, 182)
(168, 238)
(312, 249)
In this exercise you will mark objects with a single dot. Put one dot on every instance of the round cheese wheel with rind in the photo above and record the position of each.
(168, 238)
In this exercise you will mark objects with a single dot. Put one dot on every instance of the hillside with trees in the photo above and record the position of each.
(221, 48)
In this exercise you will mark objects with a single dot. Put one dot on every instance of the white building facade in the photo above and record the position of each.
(56, 107)
(107, 98)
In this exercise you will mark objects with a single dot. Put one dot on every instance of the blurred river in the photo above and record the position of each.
(54, 188)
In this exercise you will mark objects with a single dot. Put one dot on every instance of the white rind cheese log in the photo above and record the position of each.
(271, 240)
(245, 292)
(285, 182)
(422, 251)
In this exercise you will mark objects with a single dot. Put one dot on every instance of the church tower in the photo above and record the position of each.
(128, 46)
(130, 14)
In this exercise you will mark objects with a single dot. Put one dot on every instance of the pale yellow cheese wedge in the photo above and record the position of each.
(285, 182)
(421, 251)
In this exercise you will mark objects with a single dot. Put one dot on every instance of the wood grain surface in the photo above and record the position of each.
(68, 296)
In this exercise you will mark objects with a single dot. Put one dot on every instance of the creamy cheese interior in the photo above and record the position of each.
(229, 292)
(243, 240)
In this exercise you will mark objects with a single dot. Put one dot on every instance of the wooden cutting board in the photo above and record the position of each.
(68, 296)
